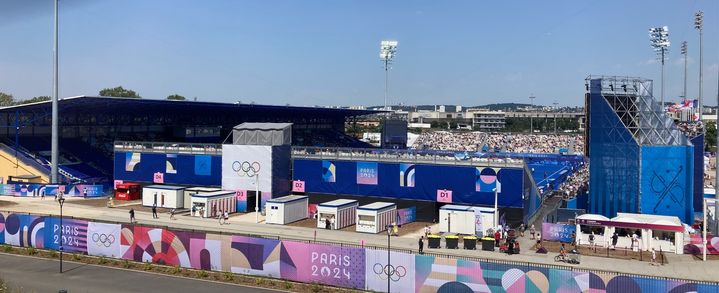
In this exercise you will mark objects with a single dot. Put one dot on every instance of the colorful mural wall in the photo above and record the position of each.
(350, 267)
(32, 189)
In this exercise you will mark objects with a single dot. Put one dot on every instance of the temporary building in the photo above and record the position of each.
(163, 196)
(374, 217)
(212, 204)
(483, 219)
(128, 191)
(286, 209)
(457, 219)
(187, 202)
(648, 225)
(341, 213)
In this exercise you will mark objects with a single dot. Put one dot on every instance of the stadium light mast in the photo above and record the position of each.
(698, 24)
(684, 52)
(659, 37)
(531, 120)
(387, 51)
(54, 131)
(555, 116)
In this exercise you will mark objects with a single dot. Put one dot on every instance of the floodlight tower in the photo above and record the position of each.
(531, 122)
(698, 24)
(684, 52)
(659, 37)
(387, 51)
(54, 127)
(555, 116)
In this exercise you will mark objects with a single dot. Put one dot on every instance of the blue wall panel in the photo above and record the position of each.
(668, 187)
(698, 143)
(427, 178)
(203, 170)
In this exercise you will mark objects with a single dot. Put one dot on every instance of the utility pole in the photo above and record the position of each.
(698, 24)
(556, 112)
(531, 110)
(54, 132)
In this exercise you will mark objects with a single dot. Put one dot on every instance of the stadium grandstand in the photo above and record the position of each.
(90, 125)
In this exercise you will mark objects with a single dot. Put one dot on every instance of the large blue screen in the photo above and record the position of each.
(203, 170)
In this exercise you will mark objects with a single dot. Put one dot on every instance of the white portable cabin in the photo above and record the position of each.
(286, 209)
(457, 219)
(341, 211)
(187, 202)
(374, 217)
(163, 196)
(209, 204)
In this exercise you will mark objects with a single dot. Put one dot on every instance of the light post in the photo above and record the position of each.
(556, 112)
(387, 51)
(497, 190)
(389, 269)
(531, 121)
(698, 24)
(659, 37)
(684, 52)
(54, 126)
(61, 201)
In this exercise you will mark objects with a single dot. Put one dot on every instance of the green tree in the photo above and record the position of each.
(6, 100)
(710, 137)
(119, 92)
(176, 97)
(33, 100)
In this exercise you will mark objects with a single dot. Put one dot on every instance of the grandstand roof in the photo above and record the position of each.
(90, 103)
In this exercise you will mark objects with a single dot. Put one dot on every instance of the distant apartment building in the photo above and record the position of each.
(485, 120)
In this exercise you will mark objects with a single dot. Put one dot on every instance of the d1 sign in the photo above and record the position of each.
(298, 186)
(159, 177)
(444, 195)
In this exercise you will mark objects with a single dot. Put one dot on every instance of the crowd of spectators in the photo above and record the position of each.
(577, 183)
(505, 142)
(691, 128)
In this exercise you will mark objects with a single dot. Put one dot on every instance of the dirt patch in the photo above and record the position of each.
(93, 202)
(4, 203)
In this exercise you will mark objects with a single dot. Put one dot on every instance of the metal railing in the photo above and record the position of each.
(403, 156)
(168, 147)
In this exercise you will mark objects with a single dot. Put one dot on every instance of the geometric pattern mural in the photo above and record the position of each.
(347, 267)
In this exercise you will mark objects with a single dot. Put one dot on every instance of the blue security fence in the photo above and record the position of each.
(182, 169)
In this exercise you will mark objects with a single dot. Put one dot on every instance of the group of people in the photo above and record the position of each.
(576, 183)
(691, 128)
(505, 142)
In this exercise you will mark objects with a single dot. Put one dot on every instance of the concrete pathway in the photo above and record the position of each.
(680, 266)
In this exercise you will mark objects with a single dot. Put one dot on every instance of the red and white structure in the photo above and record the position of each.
(211, 204)
(375, 217)
(187, 199)
(340, 213)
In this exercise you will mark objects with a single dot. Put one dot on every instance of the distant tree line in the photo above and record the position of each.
(9, 100)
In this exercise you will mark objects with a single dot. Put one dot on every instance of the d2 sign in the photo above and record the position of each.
(298, 186)
(444, 195)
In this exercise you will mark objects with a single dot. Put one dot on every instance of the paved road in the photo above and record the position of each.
(41, 275)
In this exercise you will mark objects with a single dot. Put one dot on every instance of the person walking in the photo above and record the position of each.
(591, 239)
(227, 217)
(132, 216)
(154, 212)
(615, 239)
(654, 257)
(421, 244)
(427, 230)
(531, 231)
(521, 230)
(172, 214)
(395, 229)
(220, 217)
(84, 192)
(497, 237)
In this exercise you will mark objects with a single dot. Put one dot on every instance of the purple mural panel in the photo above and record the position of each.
(331, 265)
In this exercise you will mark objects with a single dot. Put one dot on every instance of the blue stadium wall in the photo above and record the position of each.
(698, 143)
(613, 162)
(462, 180)
(667, 183)
(200, 170)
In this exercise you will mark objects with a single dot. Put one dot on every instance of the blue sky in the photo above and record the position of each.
(326, 52)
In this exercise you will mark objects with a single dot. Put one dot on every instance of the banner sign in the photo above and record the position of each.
(367, 173)
(158, 177)
(444, 195)
(298, 186)
(241, 198)
(558, 232)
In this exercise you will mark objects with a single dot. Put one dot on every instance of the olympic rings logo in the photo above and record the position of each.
(101, 239)
(394, 273)
(246, 169)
